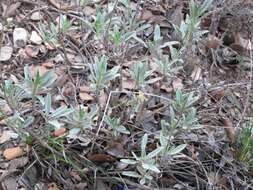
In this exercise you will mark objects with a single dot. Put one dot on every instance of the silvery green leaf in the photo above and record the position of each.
(204, 6)
(144, 142)
(150, 167)
(28, 121)
(176, 150)
(154, 152)
(55, 123)
(157, 33)
(73, 133)
(143, 181)
(128, 161)
(131, 174)
(151, 81)
(122, 129)
(169, 44)
(48, 103)
(140, 41)
(48, 78)
(60, 112)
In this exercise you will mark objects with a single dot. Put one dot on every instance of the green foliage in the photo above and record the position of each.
(245, 145)
(157, 43)
(114, 124)
(81, 118)
(140, 73)
(51, 34)
(100, 76)
(19, 123)
(13, 94)
(145, 164)
(51, 115)
(182, 115)
(167, 148)
(167, 65)
(40, 82)
(189, 28)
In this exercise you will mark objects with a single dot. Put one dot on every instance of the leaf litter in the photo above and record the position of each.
(116, 118)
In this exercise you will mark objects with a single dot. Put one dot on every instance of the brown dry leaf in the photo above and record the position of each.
(59, 132)
(146, 15)
(101, 158)
(7, 135)
(230, 130)
(212, 42)
(84, 88)
(75, 175)
(195, 75)
(102, 99)
(32, 51)
(48, 64)
(177, 84)
(128, 84)
(177, 15)
(88, 10)
(244, 43)
(116, 149)
(18, 162)
(11, 10)
(217, 95)
(52, 186)
(33, 69)
(11, 153)
(57, 4)
(166, 88)
(85, 96)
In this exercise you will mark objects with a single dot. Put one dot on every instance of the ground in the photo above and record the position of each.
(126, 94)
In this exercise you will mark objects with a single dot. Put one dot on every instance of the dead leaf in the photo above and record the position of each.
(128, 84)
(84, 88)
(32, 51)
(36, 16)
(177, 84)
(88, 11)
(116, 149)
(52, 186)
(102, 99)
(75, 175)
(212, 42)
(101, 158)
(195, 75)
(57, 4)
(11, 10)
(33, 69)
(11, 153)
(18, 162)
(230, 130)
(85, 96)
(48, 64)
(59, 132)
(5, 53)
(146, 15)
(217, 95)
(7, 135)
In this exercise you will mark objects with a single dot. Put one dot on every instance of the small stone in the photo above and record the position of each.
(5, 53)
(35, 38)
(36, 16)
(1, 26)
(20, 37)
